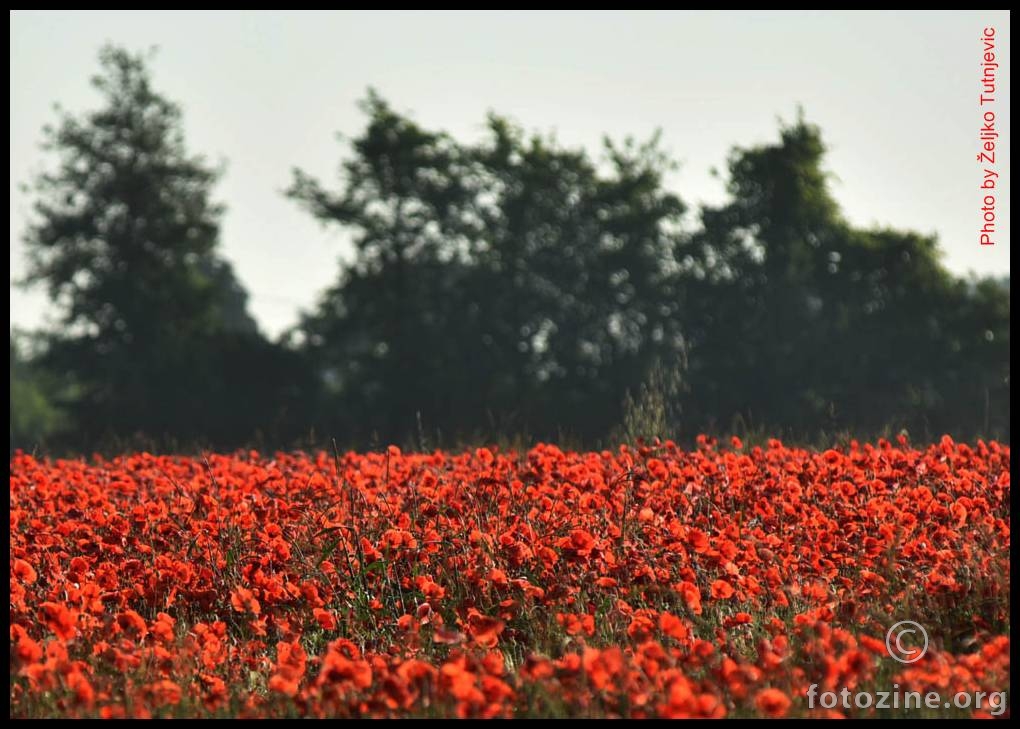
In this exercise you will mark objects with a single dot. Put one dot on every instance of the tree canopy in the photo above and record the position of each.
(514, 283)
(500, 286)
(154, 335)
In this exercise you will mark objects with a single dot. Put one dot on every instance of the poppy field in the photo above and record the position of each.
(647, 581)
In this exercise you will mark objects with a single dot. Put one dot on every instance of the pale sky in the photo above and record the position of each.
(895, 93)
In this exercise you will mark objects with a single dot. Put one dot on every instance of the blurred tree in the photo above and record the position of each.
(124, 239)
(506, 285)
(514, 285)
(573, 303)
(799, 321)
(757, 325)
(389, 332)
(34, 417)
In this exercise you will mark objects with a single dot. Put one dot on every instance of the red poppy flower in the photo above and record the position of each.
(243, 600)
(721, 590)
(59, 619)
(23, 571)
(772, 702)
(484, 630)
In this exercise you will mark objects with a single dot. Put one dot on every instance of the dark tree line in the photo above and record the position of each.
(498, 287)
(154, 337)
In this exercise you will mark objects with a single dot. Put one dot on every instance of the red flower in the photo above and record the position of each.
(722, 590)
(603, 667)
(484, 630)
(25, 649)
(691, 596)
(673, 626)
(133, 624)
(59, 619)
(163, 693)
(772, 702)
(243, 601)
(290, 668)
(23, 571)
(325, 619)
(254, 558)
(339, 666)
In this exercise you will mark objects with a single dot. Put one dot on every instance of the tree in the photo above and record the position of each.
(124, 239)
(384, 335)
(34, 418)
(574, 292)
(757, 322)
(510, 284)
(800, 321)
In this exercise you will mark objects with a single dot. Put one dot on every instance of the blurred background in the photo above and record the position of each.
(282, 229)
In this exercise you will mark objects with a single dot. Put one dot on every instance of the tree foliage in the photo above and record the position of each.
(517, 284)
(34, 416)
(811, 323)
(508, 285)
(154, 333)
